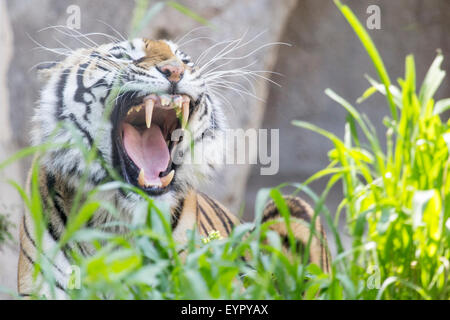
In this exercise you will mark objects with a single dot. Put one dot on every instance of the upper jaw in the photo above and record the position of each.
(162, 113)
(145, 109)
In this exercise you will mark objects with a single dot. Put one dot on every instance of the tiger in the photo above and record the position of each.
(127, 100)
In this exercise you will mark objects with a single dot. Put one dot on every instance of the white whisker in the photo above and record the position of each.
(113, 29)
(179, 40)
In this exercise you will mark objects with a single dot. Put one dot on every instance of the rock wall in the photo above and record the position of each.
(10, 203)
(324, 53)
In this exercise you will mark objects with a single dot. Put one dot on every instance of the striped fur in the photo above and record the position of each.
(73, 99)
(194, 210)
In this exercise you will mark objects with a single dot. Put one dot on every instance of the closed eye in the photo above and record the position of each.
(121, 55)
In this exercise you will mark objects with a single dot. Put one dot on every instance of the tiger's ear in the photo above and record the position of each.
(45, 71)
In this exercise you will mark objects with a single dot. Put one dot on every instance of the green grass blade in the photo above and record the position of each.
(186, 11)
(371, 50)
(432, 81)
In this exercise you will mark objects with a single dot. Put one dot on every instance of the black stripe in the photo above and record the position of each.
(82, 250)
(298, 211)
(299, 247)
(60, 211)
(97, 55)
(203, 228)
(203, 135)
(207, 219)
(59, 286)
(81, 89)
(44, 66)
(60, 94)
(214, 124)
(220, 213)
(27, 233)
(139, 72)
(98, 66)
(117, 47)
(197, 220)
(196, 103)
(205, 231)
(177, 212)
(54, 197)
(78, 125)
(270, 212)
(25, 294)
(325, 253)
(205, 111)
(52, 230)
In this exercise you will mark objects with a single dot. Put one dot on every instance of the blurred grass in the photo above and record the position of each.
(396, 203)
(145, 11)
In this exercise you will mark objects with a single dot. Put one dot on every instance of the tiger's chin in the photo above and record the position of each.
(146, 132)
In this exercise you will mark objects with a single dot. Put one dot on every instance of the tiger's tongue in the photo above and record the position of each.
(148, 150)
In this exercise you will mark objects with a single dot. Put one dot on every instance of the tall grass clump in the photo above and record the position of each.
(396, 199)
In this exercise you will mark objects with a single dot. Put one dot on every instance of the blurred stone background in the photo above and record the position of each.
(324, 53)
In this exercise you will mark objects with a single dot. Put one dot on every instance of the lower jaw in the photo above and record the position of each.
(129, 172)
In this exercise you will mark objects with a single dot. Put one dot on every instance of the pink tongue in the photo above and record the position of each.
(148, 150)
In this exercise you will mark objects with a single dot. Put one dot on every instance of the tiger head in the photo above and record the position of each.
(134, 102)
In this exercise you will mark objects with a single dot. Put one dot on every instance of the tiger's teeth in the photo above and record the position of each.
(134, 109)
(178, 101)
(141, 178)
(149, 185)
(165, 100)
(167, 179)
(149, 104)
(185, 114)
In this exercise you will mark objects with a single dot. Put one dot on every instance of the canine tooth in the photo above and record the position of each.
(167, 179)
(185, 114)
(149, 104)
(141, 178)
(178, 101)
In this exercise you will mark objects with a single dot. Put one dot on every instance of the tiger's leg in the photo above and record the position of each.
(59, 265)
(206, 214)
(28, 256)
(300, 226)
(210, 215)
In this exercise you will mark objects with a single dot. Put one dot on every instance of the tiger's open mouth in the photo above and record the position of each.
(143, 139)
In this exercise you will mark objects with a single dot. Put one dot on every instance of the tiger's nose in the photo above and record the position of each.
(173, 71)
